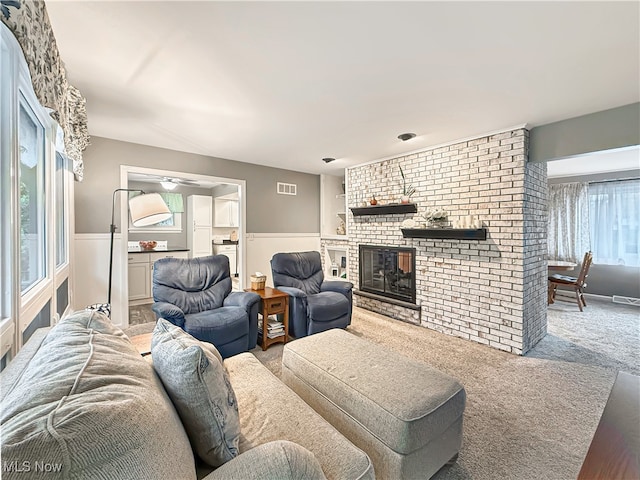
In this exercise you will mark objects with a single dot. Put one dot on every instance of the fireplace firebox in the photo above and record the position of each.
(388, 271)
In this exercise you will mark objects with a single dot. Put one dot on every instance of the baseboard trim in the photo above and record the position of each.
(595, 295)
(626, 300)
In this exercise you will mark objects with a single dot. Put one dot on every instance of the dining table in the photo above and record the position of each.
(561, 265)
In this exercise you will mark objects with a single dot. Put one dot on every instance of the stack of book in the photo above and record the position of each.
(274, 328)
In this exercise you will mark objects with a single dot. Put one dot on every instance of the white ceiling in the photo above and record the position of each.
(288, 83)
(619, 160)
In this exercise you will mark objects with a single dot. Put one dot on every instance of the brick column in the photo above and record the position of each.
(494, 291)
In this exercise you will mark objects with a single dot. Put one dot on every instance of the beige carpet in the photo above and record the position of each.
(528, 417)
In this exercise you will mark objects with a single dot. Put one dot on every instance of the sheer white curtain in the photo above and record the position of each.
(615, 222)
(568, 232)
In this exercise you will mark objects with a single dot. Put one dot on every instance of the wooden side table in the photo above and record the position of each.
(613, 453)
(273, 302)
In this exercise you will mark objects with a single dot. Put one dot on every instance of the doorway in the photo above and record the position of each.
(188, 196)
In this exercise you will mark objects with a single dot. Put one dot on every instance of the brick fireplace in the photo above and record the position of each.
(490, 291)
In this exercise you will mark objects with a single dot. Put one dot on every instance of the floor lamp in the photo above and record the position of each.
(145, 209)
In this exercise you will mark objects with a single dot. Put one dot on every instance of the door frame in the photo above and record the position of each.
(122, 252)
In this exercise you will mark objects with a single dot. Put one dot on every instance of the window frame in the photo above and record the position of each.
(23, 308)
(7, 217)
(34, 299)
(64, 210)
(27, 101)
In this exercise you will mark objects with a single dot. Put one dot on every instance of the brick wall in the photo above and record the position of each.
(492, 292)
(535, 250)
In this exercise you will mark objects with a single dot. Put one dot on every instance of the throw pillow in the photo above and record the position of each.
(86, 405)
(198, 385)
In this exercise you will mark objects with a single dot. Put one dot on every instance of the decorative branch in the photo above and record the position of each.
(406, 190)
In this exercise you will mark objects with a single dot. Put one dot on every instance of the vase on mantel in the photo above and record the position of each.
(405, 199)
(439, 223)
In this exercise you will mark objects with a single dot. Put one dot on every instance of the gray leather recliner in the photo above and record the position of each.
(195, 294)
(315, 305)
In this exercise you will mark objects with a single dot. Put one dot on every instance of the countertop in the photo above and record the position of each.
(160, 250)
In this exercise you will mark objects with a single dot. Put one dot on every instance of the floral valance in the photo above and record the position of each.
(29, 23)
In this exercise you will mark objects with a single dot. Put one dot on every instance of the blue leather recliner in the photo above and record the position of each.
(195, 294)
(314, 305)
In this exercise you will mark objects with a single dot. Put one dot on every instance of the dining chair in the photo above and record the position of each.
(576, 283)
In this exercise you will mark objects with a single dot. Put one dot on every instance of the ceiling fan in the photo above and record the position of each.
(170, 183)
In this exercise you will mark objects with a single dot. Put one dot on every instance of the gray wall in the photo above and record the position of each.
(607, 279)
(614, 128)
(610, 280)
(609, 129)
(267, 212)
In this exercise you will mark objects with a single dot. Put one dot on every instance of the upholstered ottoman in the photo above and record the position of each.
(406, 415)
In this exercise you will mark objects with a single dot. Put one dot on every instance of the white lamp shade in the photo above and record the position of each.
(148, 209)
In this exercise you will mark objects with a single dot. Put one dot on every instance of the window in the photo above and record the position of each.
(61, 209)
(5, 189)
(614, 211)
(34, 205)
(568, 228)
(32, 208)
(603, 217)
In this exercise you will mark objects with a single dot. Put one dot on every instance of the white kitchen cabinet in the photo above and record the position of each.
(230, 251)
(226, 213)
(139, 278)
(141, 274)
(199, 219)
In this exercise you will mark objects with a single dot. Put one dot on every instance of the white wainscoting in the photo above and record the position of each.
(91, 266)
(262, 246)
(91, 274)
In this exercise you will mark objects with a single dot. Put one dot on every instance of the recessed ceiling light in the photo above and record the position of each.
(406, 136)
(328, 160)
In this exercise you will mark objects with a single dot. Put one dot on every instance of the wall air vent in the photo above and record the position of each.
(287, 188)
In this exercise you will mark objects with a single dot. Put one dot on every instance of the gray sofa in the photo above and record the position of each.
(79, 402)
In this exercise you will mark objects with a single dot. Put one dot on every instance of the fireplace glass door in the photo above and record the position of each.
(388, 271)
